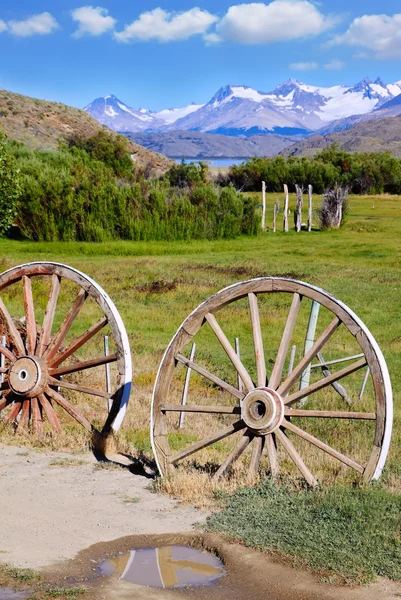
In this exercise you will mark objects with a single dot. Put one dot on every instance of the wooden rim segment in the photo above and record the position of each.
(258, 399)
(36, 365)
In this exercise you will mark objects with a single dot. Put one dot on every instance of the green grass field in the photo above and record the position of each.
(156, 285)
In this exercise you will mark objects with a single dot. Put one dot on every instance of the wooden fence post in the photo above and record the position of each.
(310, 189)
(309, 341)
(286, 208)
(298, 210)
(263, 205)
(276, 208)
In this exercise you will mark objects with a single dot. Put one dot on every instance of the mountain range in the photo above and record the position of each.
(293, 108)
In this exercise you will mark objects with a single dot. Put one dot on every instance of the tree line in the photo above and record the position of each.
(90, 190)
(361, 173)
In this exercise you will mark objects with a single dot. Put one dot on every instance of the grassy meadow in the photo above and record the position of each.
(155, 286)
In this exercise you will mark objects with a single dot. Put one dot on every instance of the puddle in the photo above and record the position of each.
(9, 594)
(167, 567)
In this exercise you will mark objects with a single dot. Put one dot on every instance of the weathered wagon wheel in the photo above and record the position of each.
(256, 399)
(53, 318)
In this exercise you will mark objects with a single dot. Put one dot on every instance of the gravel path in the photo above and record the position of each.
(51, 510)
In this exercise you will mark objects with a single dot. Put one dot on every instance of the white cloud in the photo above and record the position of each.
(304, 66)
(259, 23)
(212, 38)
(3, 26)
(334, 65)
(163, 26)
(92, 21)
(42, 24)
(381, 34)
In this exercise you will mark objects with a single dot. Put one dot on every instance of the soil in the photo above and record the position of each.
(55, 504)
(65, 521)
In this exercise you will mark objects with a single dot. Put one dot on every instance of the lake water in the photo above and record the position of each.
(217, 162)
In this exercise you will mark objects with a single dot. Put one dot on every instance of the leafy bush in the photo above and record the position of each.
(10, 188)
(90, 191)
(367, 173)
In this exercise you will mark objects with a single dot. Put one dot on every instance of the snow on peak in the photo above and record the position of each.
(171, 115)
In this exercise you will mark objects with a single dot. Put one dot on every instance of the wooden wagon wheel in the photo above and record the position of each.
(256, 400)
(45, 310)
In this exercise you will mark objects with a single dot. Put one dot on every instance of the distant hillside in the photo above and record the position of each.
(41, 124)
(376, 135)
(197, 145)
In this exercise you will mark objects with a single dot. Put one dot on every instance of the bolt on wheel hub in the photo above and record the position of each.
(262, 410)
(28, 376)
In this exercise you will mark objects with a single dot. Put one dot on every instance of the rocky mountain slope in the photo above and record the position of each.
(197, 145)
(375, 135)
(42, 124)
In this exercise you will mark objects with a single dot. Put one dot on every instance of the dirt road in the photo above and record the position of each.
(64, 514)
(55, 504)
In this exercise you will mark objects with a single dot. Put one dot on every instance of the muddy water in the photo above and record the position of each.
(165, 567)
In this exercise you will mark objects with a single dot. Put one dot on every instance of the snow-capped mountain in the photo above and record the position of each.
(291, 108)
(118, 116)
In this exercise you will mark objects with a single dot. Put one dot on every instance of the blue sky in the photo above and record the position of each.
(159, 53)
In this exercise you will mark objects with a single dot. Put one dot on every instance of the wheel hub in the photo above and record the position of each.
(28, 376)
(262, 410)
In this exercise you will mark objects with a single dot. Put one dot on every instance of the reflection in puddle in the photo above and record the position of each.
(168, 567)
(9, 594)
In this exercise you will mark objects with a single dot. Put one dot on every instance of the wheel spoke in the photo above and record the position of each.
(216, 380)
(275, 377)
(61, 401)
(30, 322)
(219, 410)
(12, 331)
(8, 354)
(24, 418)
(232, 355)
(78, 343)
(81, 366)
(46, 330)
(216, 437)
(329, 414)
(272, 455)
(66, 325)
(295, 457)
(307, 359)
(37, 421)
(257, 449)
(50, 413)
(337, 386)
(257, 340)
(328, 363)
(314, 387)
(79, 388)
(311, 439)
(239, 448)
(6, 401)
(14, 411)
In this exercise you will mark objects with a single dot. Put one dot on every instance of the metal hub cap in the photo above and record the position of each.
(27, 377)
(262, 410)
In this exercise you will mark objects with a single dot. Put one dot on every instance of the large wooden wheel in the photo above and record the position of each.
(53, 320)
(251, 409)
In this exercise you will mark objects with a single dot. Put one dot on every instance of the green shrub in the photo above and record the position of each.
(10, 188)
